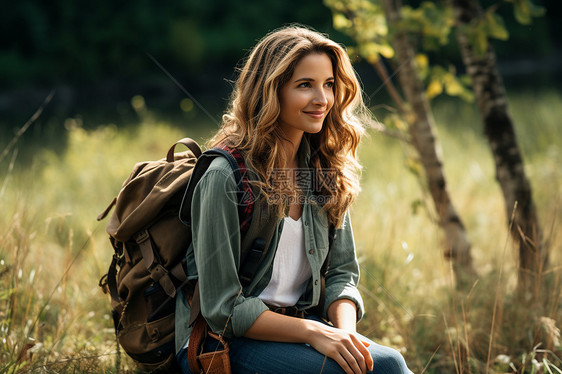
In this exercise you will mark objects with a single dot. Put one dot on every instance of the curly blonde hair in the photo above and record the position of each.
(250, 123)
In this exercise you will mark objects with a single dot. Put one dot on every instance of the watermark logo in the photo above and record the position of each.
(305, 182)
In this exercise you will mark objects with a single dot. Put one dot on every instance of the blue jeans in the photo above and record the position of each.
(263, 357)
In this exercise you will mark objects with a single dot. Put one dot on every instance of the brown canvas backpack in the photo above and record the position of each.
(150, 242)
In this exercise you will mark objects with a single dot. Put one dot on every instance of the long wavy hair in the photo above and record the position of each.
(250, 123)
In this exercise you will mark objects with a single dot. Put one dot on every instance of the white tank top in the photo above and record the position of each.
(291, 269)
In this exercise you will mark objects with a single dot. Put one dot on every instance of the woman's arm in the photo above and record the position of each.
(342, 346)
(343, 274)
(343, 314)
(216, 248)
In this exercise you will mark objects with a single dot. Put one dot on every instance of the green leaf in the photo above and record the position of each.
(496, 27)
(341, 22)
(414, 166)
(435, 88)
(537, 10)
(386, 50)
(466, 80)
(422, 63)
(369, 51)
(395, 121)
(452, 85)
(522, 11)
(480, 41)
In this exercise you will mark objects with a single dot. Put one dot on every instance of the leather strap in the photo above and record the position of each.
(108, 209)
(189, 143)
(178, 272)
(196, 340)
(157, 272)
(291, 311)
(111, 279)
(324, 270)
(218, 360)
(200, 168)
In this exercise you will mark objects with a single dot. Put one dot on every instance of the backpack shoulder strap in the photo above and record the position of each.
(325, 268)
(203, 163)
(257, 240)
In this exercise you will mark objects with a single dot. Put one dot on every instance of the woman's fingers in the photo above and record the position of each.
(345, 348)
(355, 360)
(347, 356)
(343, 363)
(362, 347)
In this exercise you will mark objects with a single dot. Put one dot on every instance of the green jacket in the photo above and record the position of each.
(215, 249)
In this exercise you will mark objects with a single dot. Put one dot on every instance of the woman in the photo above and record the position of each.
(296, 116)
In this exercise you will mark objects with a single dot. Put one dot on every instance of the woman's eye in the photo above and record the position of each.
(330, 84)
(304, 84)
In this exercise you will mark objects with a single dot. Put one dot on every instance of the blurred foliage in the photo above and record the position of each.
(430, 26)
(365, 23)
(76, 41)
(84, 42)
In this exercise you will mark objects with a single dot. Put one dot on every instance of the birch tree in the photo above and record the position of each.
(479, 58)
(416, 111)
(367, 22)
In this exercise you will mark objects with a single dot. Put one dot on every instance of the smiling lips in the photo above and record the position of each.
(315, 114)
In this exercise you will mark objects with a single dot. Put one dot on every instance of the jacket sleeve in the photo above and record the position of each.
(216, 245)
(343, 274)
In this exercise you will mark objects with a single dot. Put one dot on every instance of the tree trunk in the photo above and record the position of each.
(510, 172)
(421, 127)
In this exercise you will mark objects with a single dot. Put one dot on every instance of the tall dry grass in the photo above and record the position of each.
(54, 318)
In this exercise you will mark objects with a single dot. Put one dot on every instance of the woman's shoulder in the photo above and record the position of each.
(219, 170)
(219, 164)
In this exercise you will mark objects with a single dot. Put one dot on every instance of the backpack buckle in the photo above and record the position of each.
(157, 271)
(159, 274)
(141, 236)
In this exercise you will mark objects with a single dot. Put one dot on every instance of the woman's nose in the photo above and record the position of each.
(320, 97)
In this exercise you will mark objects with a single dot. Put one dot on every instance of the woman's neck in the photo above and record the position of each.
(291, 147)
(290, 142)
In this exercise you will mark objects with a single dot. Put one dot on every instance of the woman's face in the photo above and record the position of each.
(307, 97)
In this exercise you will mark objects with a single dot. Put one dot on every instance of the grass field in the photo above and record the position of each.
(54, 318)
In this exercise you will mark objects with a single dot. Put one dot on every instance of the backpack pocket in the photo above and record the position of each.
(149, 344)
(148, 335)
(158, 303)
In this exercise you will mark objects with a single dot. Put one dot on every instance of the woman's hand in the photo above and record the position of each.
(343, 347)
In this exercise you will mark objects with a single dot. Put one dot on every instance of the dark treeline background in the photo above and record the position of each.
(95, 54)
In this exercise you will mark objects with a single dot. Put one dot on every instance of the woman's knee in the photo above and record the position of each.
(388, 361)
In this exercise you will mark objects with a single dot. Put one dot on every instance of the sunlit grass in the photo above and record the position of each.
(53, 251)
(408, 285)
